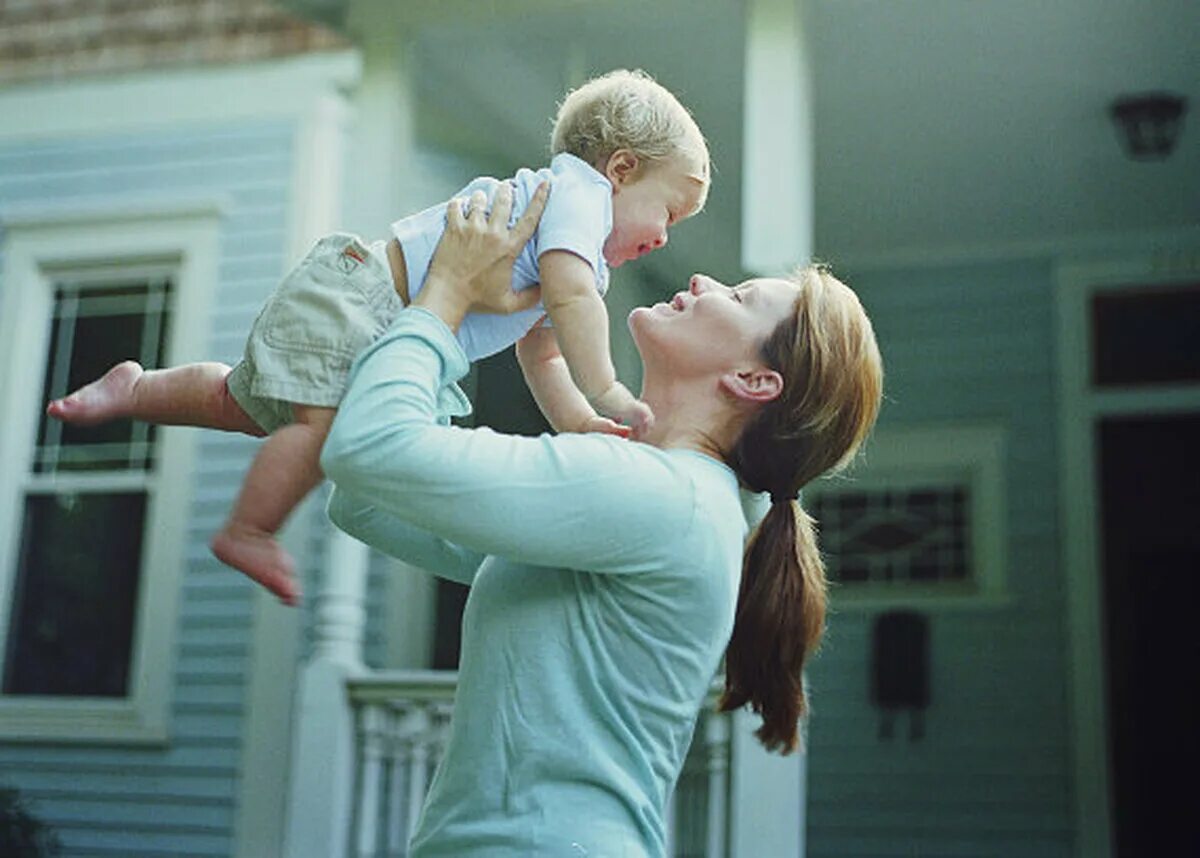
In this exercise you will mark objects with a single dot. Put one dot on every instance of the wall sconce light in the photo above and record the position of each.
(1149, 123)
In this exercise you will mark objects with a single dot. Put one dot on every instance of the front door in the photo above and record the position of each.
(1149, 475)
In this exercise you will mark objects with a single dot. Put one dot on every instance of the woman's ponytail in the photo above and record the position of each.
(832, 386)
(779, 622)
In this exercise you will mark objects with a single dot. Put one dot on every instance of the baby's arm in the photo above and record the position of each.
(549, 381)
(581, 327)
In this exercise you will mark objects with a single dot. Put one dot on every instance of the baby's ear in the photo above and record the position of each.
(622, 167)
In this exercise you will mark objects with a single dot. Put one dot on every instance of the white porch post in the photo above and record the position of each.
(372, 191)
(766, 796)
(384, 131)
(767, 792)
(777, 144)
(323, 753)
(379, 190)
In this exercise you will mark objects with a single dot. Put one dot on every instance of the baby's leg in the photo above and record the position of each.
(194, 394)
(285, 470)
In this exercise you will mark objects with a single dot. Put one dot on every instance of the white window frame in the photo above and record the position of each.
(36, 245)
(1080, 406)
(921, 456)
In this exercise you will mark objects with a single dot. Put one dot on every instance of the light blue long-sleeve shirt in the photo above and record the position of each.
(604, 577)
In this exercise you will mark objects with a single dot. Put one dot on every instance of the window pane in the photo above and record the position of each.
(76, 591)
(94, 327)
(1146, 336)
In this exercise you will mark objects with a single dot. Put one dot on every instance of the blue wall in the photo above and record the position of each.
(991, 777)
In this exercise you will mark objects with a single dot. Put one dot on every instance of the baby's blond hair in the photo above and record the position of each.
(627, 110)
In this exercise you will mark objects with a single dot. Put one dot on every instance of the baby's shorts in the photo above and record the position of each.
(330, 307)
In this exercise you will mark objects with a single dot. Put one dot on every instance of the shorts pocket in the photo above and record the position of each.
(317, 309)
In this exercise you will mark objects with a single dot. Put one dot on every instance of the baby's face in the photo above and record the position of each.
(645, 207)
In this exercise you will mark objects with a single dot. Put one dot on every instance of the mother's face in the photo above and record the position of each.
(711, 326)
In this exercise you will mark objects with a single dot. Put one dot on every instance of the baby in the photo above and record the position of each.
(628, 163)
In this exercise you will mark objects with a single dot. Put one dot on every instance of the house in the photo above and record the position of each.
(1010, 557)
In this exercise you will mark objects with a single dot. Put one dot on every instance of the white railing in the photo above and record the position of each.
(401, 721)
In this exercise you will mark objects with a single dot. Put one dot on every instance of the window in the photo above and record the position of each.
(1145, 336)
(918, 521)
(84, 500)
(917, 534)
(92, 521)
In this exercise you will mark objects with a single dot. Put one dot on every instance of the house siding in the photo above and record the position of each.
(177, 799)
(991, 776)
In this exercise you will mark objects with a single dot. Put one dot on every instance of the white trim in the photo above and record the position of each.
(1077, 412)
(914, 455)
(260, 816)
(82, 212)
(170, 99)
(34, 248)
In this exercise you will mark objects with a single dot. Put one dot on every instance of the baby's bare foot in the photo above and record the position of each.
(106, 398)
(257, 554)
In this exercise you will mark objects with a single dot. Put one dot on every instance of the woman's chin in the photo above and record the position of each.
(639, 316)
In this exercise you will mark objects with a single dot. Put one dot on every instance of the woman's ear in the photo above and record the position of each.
(622, 167)
(755, 385)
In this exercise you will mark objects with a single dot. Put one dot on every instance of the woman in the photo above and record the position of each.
(607, 575)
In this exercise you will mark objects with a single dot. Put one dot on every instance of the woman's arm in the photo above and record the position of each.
(398, 538)
(591, 502)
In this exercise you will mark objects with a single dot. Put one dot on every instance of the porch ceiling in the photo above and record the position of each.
(940, 124)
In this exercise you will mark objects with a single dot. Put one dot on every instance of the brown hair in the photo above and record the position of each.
(832, 386)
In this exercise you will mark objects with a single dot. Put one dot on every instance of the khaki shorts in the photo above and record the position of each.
(330, 307)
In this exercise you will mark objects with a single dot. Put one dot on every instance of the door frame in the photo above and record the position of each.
(1079, 409)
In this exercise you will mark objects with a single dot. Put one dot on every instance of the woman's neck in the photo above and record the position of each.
(691, 419)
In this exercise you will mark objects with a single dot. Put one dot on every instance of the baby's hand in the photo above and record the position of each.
(596, 423)
(622, 406)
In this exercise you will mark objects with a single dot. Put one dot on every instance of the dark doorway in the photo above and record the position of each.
(1150, 499)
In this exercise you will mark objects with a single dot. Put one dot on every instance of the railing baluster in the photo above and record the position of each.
(372, 735)
(717, 749)
(418, 768)
(396, 838)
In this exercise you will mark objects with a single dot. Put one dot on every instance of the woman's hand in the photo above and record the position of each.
(471, 269)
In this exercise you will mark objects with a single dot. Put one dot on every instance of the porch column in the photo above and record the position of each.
(383, 136)
(323, 750)
(767, 791)
(777, 144)
(371, 197)
(380, 189)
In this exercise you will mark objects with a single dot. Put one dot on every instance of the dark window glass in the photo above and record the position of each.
(75, 595)
(896, 537)
(1146, 336)
(94, 328)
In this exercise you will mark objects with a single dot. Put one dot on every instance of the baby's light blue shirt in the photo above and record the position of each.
(578, 218)
(604, 576)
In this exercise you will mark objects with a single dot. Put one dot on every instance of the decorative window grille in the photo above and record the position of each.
(84, 499)
(896, 536)
(920, 519)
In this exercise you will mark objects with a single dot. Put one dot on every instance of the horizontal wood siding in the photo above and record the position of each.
(177, 800)
(991, 777)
